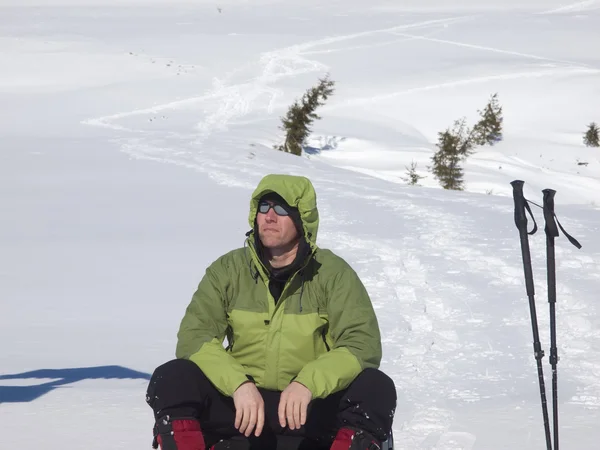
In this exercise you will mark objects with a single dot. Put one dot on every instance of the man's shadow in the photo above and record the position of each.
(61, 377)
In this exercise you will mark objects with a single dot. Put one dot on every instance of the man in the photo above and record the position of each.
(303, 343)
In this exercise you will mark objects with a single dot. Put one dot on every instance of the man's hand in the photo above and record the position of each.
(293, 405)
(249, 409)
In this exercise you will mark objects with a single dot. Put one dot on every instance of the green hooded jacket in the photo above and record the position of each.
(322, 332)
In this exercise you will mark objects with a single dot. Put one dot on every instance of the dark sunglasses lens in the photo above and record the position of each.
(280, 210)
(264, 207)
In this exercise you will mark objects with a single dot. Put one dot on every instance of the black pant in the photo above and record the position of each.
(179, 388)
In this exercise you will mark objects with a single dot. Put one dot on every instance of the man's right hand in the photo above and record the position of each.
(249, 409)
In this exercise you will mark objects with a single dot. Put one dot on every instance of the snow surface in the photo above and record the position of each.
(133, 132)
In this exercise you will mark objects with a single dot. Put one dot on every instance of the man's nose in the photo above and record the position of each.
(271, 215)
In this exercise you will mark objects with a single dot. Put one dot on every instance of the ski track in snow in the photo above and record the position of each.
(574, 7)
(467, 81)
(425, 298)
(236, 99)
(494, 50)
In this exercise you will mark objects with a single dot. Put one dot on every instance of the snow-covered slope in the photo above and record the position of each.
(133, 135)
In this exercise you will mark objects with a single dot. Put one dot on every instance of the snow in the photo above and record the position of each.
(133, 132)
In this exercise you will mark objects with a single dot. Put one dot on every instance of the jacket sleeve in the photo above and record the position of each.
(203, 330)
(354, 330)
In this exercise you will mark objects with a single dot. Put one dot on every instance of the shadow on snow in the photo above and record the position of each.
(61, 377)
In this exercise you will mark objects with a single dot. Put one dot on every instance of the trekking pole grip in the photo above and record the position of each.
(521, 223)
(520, 217)
(548, 207)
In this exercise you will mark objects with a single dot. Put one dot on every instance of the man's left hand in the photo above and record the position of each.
(293, 405)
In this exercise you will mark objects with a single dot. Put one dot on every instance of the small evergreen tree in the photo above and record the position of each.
(412, 177)
(591, 138)
(454, 145)
(489, 128)
(301, 115)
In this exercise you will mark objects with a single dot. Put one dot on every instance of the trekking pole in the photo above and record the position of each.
(552, 232)
(521, 223)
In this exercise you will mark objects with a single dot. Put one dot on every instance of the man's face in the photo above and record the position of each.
(275, 231)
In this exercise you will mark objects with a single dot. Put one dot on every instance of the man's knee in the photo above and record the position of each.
(375, 382)
(175, 369)
(173, 382)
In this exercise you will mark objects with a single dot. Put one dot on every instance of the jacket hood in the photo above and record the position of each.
(298, 192)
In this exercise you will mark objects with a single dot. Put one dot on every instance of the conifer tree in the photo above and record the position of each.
(591, 138)
(412, 177)
(301, 115)
(489, 128)
(454, 146)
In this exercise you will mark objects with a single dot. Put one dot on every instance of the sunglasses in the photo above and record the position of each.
(264, 207)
